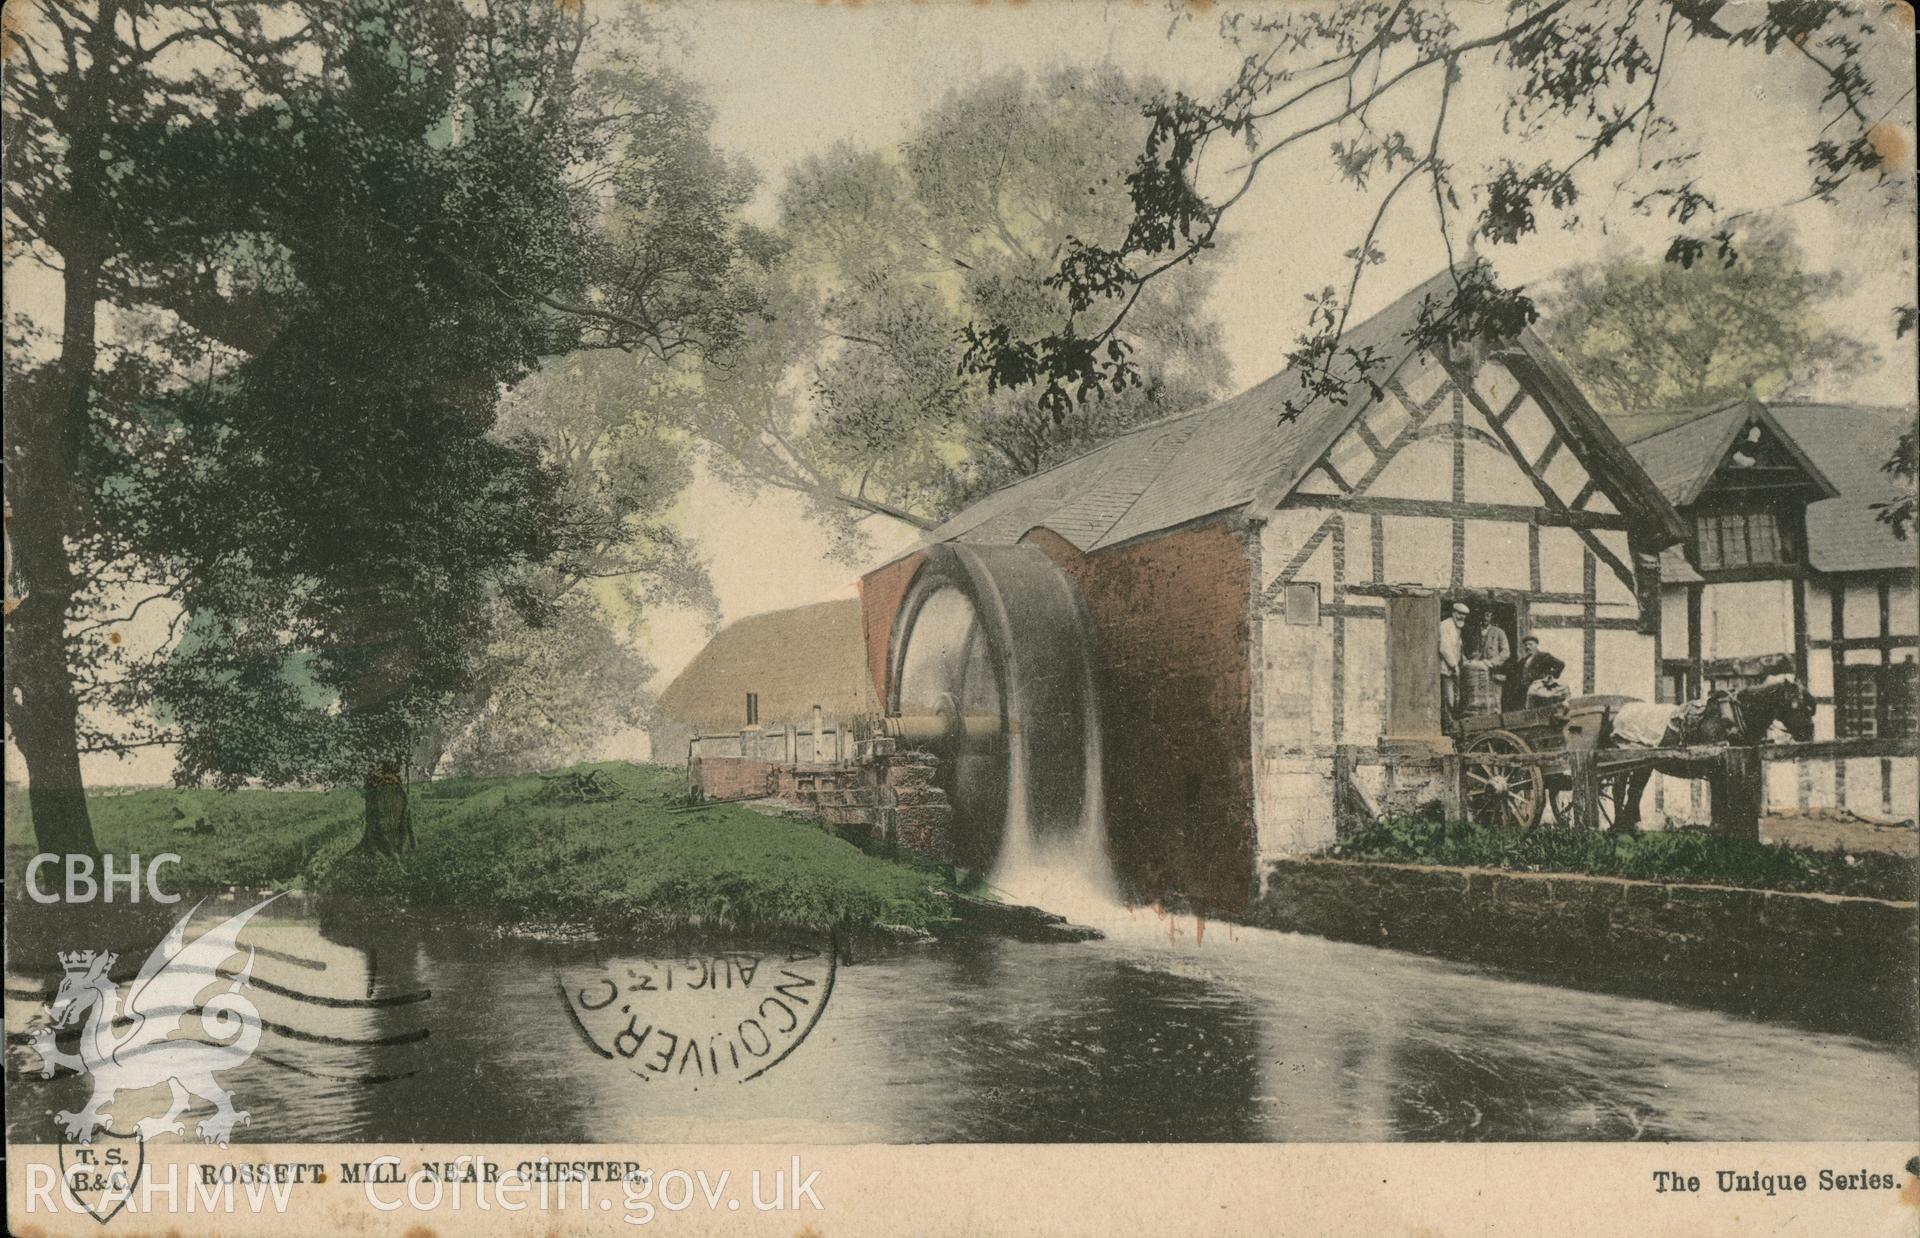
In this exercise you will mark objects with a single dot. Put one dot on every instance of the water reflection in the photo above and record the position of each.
(1046, 1044)
(1249, 1036)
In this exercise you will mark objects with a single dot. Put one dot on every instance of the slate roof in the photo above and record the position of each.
(1675, 456)
(1181, 468)
(1231, 454)
(1683, 459)
(1842, 445)
(793, 659)
(1850, 443)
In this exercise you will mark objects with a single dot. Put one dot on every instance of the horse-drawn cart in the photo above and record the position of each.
(1513, 767)
(1500, 791)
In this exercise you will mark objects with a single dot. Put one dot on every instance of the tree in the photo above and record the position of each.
(848, 389)
(81, 201)
(1647, 335)
(1904, 464)
(544, 692)
(328, 236)
(1379, 88)
(555, 691)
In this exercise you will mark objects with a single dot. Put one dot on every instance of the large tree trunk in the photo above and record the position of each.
(44, 714)
(46, 431)
(46, 424)
(389, 814)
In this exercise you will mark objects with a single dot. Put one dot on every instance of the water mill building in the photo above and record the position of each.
(1259, 593)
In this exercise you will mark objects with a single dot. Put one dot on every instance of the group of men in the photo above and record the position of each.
(1469, 645)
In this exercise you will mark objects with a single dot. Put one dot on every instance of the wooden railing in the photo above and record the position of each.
(831, 744)
(1735, 773)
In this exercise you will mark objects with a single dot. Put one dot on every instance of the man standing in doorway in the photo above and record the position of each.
(1492, 651)
(1452, 649)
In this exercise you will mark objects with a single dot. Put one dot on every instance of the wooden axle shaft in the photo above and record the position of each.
(943, 725)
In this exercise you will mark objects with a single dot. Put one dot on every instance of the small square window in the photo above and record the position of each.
(1876, 702)
(1303, 604)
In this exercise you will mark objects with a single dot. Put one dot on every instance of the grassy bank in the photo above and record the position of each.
(223, 838)
(1667, 855)
(527, 848)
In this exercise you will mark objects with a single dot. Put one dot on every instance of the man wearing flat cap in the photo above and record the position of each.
(1452, 650)
(1536, 679)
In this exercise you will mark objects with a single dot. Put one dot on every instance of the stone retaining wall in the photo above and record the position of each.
(1840, 962)
(890, 795)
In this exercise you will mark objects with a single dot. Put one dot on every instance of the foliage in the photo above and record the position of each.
(333, 500)
(849, 390)
(1645, 335)
(552, 693)
(1372, 85)
(545, 691)
(1904, 465)
(329, 235)
(1663, 855)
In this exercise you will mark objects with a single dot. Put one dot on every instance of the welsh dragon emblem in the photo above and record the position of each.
(127, 1042)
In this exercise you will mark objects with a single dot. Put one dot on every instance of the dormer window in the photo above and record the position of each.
(1733, 540)
(1744, 484)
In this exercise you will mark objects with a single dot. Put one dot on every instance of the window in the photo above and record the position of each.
(1303, 604)
(1876, 702)
(753, 709)
(1732, 540)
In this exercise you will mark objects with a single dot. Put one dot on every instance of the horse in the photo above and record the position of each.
(1740, 717)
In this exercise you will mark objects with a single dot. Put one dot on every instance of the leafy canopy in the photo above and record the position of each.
(850, 389)
(1374, 88)
(332, 236)
(1647, 335)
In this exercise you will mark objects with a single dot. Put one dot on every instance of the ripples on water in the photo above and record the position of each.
(1167, 1030)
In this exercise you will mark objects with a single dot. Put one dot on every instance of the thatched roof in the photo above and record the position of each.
(792, 659)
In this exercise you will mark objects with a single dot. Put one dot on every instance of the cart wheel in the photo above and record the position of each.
(1560, 799)
(1503, 794)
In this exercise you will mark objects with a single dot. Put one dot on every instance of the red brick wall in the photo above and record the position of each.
(1172, 657)
(881, 592)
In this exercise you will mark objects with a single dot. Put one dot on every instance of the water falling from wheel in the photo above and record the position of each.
(993, 670)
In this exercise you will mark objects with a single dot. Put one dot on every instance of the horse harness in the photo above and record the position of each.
(1688, 719)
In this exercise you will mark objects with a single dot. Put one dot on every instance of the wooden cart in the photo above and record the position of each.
(1500, 792)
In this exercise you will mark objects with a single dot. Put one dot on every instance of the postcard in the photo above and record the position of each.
(957, 618)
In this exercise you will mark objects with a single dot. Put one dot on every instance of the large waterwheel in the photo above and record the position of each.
(990, 669)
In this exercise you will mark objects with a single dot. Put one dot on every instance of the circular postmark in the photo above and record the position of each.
(712, 1016)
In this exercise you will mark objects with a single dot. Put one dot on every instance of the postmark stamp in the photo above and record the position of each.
(705, 1017)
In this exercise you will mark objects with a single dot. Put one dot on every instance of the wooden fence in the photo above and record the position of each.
(1735, 774)
(829, 744)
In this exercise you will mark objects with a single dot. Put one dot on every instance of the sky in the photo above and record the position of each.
(790, 78)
